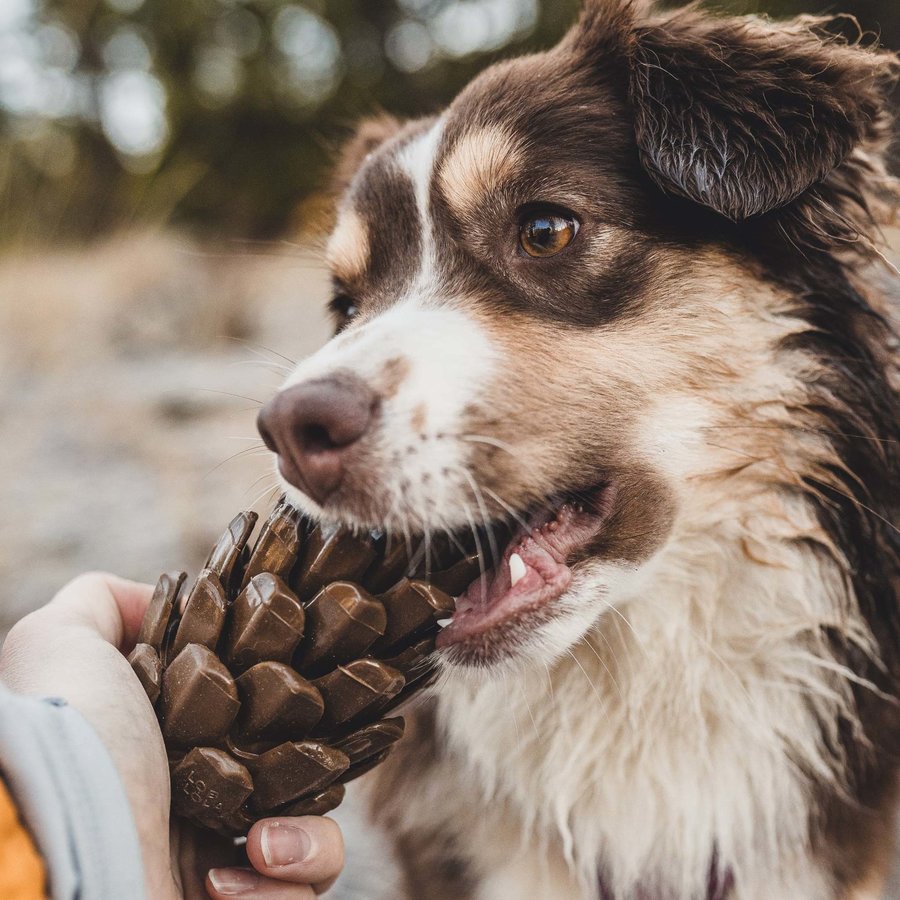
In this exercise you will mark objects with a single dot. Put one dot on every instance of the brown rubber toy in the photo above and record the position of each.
(274, 673)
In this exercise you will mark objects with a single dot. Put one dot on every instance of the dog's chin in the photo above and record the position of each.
(536, 639)
(302, 502)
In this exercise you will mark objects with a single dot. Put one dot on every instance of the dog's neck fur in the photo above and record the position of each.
(686, 727)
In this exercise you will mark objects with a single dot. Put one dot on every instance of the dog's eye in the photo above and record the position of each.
(344, 308)
(547, 233)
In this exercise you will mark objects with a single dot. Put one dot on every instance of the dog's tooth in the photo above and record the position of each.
(443, 623)
(517, 569)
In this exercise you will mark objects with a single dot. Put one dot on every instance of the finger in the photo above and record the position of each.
(197, 851)
(109, 605)
(250, 885)
(132, 599)
(305, 849)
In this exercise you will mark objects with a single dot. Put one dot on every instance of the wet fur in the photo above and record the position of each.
(712, 708)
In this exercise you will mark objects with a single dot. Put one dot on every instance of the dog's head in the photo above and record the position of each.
(549, 298)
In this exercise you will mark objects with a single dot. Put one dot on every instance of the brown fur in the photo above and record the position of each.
(432, 864)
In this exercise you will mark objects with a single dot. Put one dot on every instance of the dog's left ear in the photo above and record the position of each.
(741, 115)
(369, 135)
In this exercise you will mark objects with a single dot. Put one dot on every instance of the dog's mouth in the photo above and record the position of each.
(532, 570)
(503, 577)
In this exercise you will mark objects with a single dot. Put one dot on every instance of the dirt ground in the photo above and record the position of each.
(125, 369)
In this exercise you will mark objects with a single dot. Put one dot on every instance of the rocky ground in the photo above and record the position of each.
(125, 369)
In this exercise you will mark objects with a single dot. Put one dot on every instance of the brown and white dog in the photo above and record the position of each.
(627, 296)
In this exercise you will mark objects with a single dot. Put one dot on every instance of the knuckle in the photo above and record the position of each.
(89, 581)
(23, 633)
(335, 839)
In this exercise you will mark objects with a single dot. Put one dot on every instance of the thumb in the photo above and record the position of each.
(111, 606)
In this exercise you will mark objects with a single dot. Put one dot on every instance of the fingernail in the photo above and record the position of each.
(233, 881)
(284, 844)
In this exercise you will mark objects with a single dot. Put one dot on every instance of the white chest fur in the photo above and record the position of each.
(685, 723)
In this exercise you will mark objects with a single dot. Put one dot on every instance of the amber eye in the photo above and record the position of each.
(546, 233)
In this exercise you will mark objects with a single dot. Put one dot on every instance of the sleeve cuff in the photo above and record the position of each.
(71, 797)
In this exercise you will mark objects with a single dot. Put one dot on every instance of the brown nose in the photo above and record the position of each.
(312, 425)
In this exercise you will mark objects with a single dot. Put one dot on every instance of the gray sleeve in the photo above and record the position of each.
(71, 798)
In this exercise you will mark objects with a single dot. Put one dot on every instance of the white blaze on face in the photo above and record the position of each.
(417, 159)
(445, 356)
(431, 360)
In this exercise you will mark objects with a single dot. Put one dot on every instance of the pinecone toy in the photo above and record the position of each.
(274, 674)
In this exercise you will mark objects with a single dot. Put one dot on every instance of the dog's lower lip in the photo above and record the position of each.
(533, 570)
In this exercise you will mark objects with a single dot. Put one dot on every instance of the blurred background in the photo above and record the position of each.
(161, 167)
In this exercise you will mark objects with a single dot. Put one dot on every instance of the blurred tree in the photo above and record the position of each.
(223, 114)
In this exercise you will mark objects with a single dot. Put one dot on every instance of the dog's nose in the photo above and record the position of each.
(312, 425)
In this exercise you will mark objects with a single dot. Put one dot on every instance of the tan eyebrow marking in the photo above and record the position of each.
(348, 247)
(479, 163)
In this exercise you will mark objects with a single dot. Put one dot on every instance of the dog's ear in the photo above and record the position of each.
(742, 115)
(369, 135)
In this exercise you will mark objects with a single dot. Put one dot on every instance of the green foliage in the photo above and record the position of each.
(222, 115)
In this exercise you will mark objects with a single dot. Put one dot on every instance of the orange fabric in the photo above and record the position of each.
(22, 874)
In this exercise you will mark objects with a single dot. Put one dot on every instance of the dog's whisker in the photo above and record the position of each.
(256, 481)
(588, 677)
(520, 458)
(587, 643)
(509, 509)
(269, 494)
(524, 695)
(256, 348)
(455, 541)
(427, 539)
(550, 682)
(479, 549)
(612, 652)
(269, 365)
(512, 710)
(479, 500)
(614, 609)
(494, 442)
(229, 394)
(246, 452)
(407, 539)
(393, 508)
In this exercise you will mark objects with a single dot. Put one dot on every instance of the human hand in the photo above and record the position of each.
(74, 648)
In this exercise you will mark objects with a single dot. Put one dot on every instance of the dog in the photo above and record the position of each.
(626, 300)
